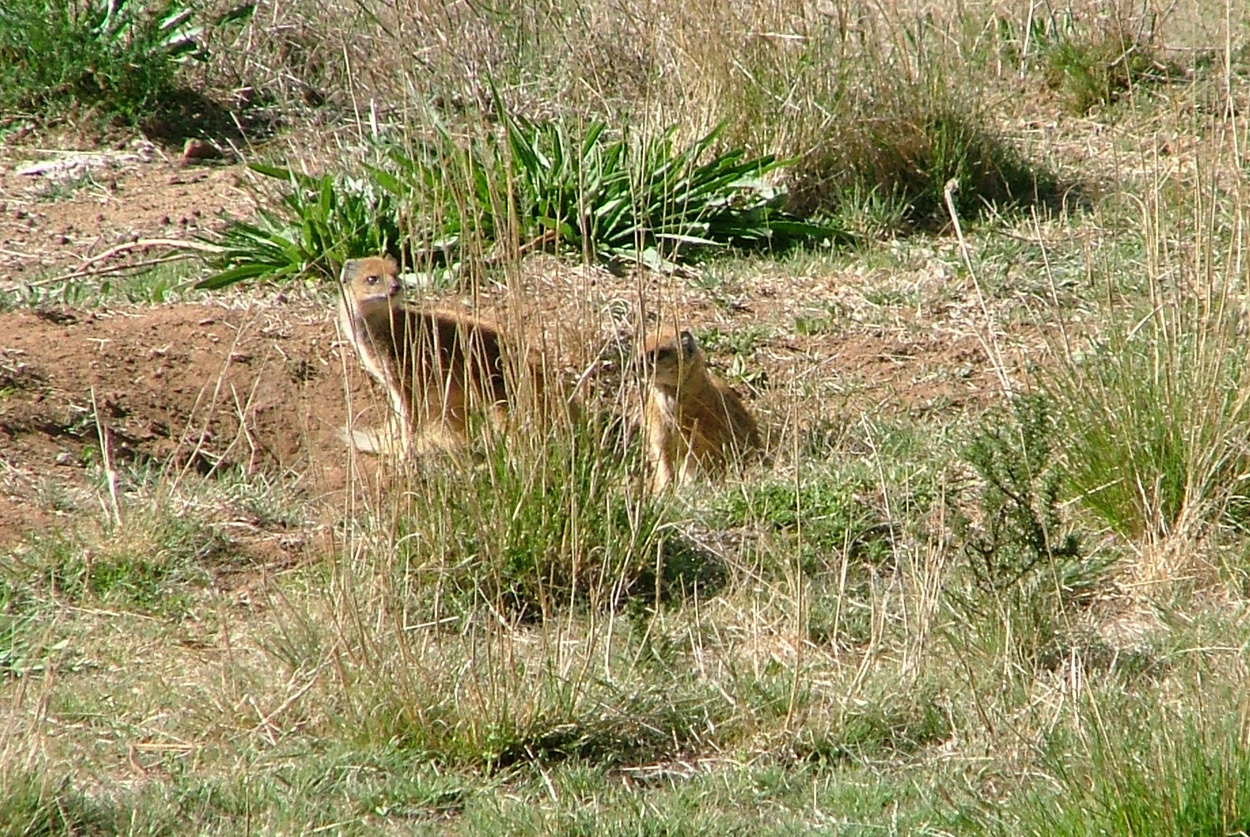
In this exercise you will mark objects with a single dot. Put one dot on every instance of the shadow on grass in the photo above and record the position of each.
(186, 113)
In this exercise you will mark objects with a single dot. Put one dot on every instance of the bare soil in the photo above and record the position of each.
(201, 387)
(61, 210)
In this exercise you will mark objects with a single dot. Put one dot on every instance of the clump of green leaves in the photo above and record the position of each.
(319, 223)
(645, 198)
(121, 56)
(545, 184)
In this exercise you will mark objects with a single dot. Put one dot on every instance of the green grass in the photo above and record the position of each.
(1191, 776)
(1096, 70)
(150, 285)
(936, 608)
(1155, 412)
(32, 804)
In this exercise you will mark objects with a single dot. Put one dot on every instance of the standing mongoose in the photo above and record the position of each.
(435, 364)
(690, 418)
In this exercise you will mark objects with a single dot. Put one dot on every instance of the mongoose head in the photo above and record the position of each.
(667, 357)
(371, 283)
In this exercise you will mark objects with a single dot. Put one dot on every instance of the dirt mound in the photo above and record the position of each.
(200, 386)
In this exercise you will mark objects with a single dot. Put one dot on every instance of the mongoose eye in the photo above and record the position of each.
(371, 280)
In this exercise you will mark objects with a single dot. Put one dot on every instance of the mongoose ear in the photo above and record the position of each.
(348, 273)
(688, 344)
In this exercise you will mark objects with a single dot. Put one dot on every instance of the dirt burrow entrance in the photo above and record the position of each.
(198, 386)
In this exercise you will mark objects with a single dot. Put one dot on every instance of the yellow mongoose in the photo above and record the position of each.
(690, 418)
(435, 364)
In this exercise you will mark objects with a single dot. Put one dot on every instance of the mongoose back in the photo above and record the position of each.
(690, 418)
(434, 364)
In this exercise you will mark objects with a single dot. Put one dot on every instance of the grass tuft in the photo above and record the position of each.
(33, 806)
(886, 159)
(1156, 415)
(1095, 69)
(529, 533)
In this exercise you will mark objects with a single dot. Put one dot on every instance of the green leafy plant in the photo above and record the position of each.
(610, 197)
(121, 56)
(618, 198)
(320, 222)
(537, 184)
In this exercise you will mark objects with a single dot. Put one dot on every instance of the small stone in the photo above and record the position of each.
(65, 458)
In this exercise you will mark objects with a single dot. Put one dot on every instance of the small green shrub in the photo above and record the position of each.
(1021, 528)
(645, 198)
(121, 56)
(539, 184)
(1027, 567)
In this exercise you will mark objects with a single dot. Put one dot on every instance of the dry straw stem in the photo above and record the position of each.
(106, 455)
(988, 337)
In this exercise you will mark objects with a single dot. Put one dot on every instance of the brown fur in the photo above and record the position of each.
(436, 365)
(690, 418)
